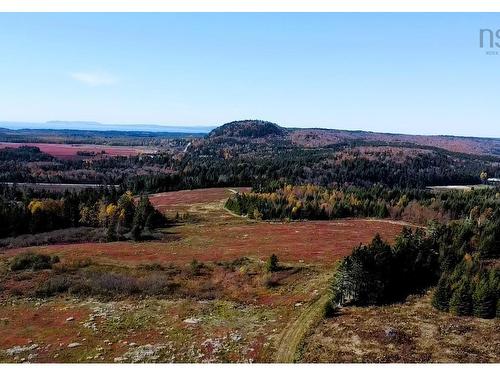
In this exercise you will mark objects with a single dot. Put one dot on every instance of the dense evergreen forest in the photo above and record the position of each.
(463, 256)
(325, 168)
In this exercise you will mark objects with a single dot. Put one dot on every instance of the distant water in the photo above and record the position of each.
(77, 125)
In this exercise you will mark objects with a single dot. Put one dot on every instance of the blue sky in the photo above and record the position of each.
(409, 73)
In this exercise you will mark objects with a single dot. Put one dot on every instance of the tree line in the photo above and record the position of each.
(120, 214)
(311, 202)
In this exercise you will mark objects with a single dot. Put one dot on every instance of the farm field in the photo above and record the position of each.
(70, 151)
(202, 294)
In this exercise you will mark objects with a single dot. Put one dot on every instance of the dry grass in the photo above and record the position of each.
(408, 332)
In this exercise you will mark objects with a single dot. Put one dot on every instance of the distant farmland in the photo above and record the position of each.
(73, 151)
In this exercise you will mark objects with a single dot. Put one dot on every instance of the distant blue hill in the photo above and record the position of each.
(96, 126)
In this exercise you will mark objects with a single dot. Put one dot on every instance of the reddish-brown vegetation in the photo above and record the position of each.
(310, 242)
(70, 151)
(323, 137)
(181, 200)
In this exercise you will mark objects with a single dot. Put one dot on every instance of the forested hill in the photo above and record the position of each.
(259, 131)
(248, 129)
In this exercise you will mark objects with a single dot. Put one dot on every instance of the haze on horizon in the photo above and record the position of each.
(396, 73)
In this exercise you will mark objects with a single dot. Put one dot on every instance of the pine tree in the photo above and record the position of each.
(484, 300)
(272, 263)
(461, 300)
(442, 294)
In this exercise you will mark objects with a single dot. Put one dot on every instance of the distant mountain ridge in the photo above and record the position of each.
(97, 126)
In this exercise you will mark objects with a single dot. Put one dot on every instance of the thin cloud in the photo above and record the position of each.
(94, 79)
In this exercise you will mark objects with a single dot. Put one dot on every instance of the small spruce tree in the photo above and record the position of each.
(484, 301)
(461, 300)
(272, 263)
(442, 294)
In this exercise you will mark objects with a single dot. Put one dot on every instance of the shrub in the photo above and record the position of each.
(330, 309)
(69, 235)
(152, 267)
(196, 267)
(110, 284)
(32, 261)
(53, 286)
(156, 285)
(72, 265)
(271, 281)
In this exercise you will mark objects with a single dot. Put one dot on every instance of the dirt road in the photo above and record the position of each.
(296, 330)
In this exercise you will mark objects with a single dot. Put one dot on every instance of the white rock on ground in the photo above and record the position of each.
(192, 320)
(21, 349)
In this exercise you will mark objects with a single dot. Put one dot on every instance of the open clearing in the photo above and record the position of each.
(184, 199)
(226, 307)
(304, 242)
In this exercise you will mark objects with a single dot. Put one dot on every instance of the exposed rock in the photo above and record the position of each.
(74, 345)
(144, 353)
(390, 332)
(21, 349)
(192, 320)
(235, 336)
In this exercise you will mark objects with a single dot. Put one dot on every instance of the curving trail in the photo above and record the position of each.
(295, 331)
